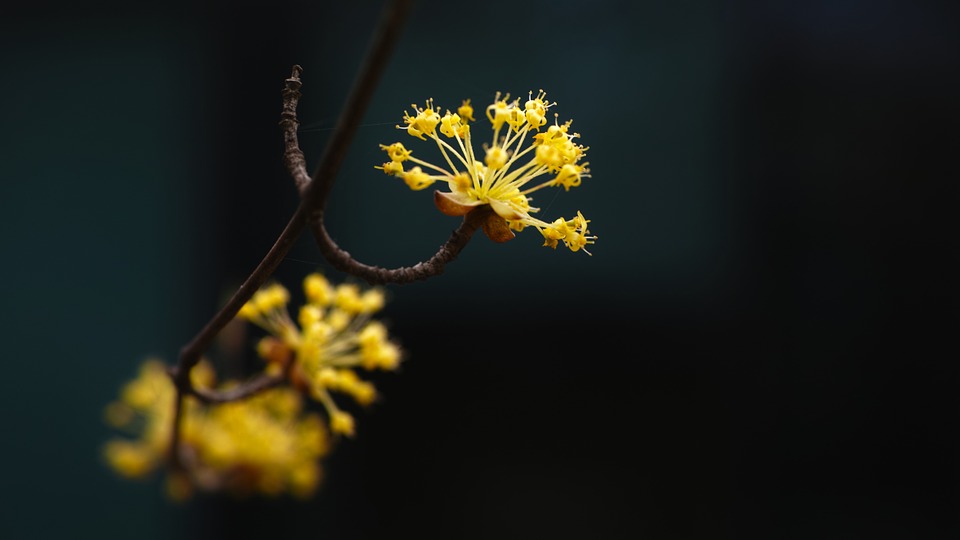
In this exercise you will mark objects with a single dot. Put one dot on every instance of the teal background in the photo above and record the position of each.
(761, 346)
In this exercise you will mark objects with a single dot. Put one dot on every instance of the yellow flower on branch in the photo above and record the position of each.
(334, 335)
(523, 156)
(263, 444)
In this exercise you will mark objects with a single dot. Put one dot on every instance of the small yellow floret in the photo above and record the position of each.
(496, 157)
(310, 314)
(342, 422)
(347, 297)
(499, 111)
(338, 319)
(536, 110)
(397, 152)
(318, 289)
(570, 175)
(416, 179)
(327, 377)
(450, 125)
(384, 355)
(466, 111)
(373, 333)
(516, 118)
(392, 168)
(272, 297)
(372, 301)
(573, 233)
(424, 123)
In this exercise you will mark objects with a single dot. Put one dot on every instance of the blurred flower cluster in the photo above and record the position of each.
(270, 442)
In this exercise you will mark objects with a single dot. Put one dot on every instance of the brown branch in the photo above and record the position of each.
(249, 388)
(314, 191)
(313, 196)
(293, 158)
(341, 260)
(190, 354)
(317, 190)
(384, 41)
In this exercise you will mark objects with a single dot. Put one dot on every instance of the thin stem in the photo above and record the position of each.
(384, 41)
(252, 387)
(174, 451)
(316, 192)
(313, 190)
(341, 260)
(292, 156)
(191, 353)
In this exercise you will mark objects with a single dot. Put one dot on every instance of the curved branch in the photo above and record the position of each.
(313, 191)
(341, 260)
(245, 390)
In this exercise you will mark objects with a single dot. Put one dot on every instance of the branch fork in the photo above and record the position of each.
(314, 191)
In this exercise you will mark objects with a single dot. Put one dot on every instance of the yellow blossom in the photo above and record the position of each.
(342, 422)
(416, 179)
(466, 111)
(394, 168)
(263, 444)
(424, 122)
(334, 334)
(524, 155)
(397, 152)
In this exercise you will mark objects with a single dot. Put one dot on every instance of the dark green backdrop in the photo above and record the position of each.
(751, 352)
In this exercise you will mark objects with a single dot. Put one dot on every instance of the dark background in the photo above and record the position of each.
(761, 346)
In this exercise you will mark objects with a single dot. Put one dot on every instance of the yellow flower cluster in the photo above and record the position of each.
(335, 336)
(518, 153)
(265, 444)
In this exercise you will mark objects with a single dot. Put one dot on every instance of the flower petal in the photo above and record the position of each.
(506, 211)
(496, 228)
(453, 204)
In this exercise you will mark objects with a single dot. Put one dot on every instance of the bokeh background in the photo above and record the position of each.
(763, 344)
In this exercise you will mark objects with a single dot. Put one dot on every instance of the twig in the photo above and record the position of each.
(313, 195)
(249, 388)
(293, 158)
(341, 260)
(191, 353)
(384, 41)
(317, 190)
(314, 191)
